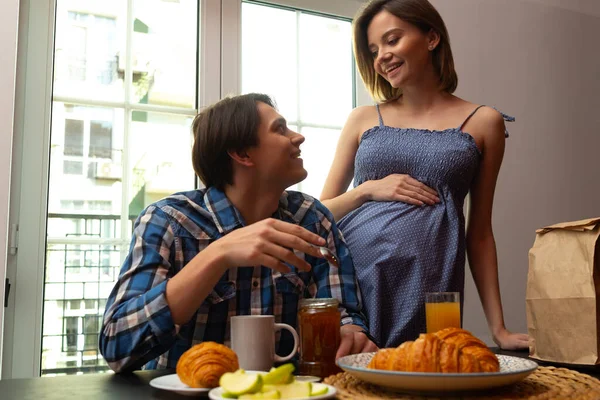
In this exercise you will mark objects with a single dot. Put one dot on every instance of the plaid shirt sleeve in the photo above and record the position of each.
(339, 283)
(137, 325)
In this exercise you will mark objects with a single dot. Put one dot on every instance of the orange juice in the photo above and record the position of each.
(442, 315)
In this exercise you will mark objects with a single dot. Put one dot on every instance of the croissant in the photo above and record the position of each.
(448, 350)
(202, 365)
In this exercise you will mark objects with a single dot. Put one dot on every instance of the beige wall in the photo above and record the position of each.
(538, 60)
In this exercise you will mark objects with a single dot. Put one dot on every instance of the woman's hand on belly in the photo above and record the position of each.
(400, 187)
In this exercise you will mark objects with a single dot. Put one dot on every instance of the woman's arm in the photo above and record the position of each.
(395, 187)
(481, 247)
(334, 195)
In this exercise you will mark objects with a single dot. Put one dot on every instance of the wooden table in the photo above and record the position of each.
(104, 386)
(590, 370)
(128, 386)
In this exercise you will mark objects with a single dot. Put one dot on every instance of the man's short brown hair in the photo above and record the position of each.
(231, 124)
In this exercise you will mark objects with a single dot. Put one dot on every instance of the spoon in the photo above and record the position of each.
(329, 256)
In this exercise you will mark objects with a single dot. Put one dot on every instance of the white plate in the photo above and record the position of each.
(512, 370)
(173, 384)
(215, 394)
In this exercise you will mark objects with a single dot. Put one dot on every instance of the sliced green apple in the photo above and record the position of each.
(318, 389)
(240, 384)
(281, 374)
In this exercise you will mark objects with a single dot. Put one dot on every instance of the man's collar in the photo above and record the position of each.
(295, 212)
(227, 218)
(224, 214)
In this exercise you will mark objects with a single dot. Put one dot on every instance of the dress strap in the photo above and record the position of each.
(469, 117)
(379, 114)
(506, 117)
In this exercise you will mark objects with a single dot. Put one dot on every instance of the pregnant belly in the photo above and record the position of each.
(379, 224)
(394, 240)
(401, 251)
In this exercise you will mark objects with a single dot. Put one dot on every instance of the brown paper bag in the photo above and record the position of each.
(563, 293)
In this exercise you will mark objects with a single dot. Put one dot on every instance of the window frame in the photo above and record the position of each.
(30, 174)
(231, 39)
(219, 39)
(299, 123)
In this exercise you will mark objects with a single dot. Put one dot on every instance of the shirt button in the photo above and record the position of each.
(255, 283)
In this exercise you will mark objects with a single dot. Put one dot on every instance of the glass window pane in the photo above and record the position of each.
(90, 181)
(70, 332)
(72, 167)
(53, 317)
(269, 61)
(91, 342)
(88, 225)
(164, 52)
(308, 69)
(161, 165)
(73, 137)
(325, 70)
(74, 304)
(73, 311)
(317, 153)
(90, 49)
(101, 139)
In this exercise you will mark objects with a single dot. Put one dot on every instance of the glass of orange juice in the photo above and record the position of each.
(442, 310)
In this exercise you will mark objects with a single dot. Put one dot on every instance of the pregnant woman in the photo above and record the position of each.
(414, 157)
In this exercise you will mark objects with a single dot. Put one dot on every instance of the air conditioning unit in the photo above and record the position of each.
(109, 171)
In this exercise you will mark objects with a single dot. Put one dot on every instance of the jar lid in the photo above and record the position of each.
(319, 303)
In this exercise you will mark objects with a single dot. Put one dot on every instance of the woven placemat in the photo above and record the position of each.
(546, 383)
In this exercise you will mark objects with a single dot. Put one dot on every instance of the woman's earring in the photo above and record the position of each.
(430, 48)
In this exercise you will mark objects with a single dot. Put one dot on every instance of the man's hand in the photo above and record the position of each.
(353, 340)
(269, 242)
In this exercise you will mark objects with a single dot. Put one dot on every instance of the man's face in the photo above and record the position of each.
(276, 158)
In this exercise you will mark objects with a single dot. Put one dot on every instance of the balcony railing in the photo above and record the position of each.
(81, 268)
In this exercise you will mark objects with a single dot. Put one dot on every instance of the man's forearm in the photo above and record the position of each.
(191, 286)
(124, 340)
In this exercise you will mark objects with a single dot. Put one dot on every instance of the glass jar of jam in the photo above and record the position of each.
(319, 324)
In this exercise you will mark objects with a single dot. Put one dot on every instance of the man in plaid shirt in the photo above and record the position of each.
(242, 246)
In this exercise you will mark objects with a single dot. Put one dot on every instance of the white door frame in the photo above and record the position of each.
(29, 186)
(9, 21)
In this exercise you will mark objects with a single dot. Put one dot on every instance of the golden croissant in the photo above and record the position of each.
(203, 364)
(448, 350)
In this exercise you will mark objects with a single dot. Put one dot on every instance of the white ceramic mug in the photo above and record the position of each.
(253, 340)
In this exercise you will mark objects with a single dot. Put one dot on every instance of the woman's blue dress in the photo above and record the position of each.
(401, 251)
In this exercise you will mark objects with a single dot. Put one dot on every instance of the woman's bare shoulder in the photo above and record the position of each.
(363, 112)
(362, 118)
(484, 113)
(487, 122)
(488, 116)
